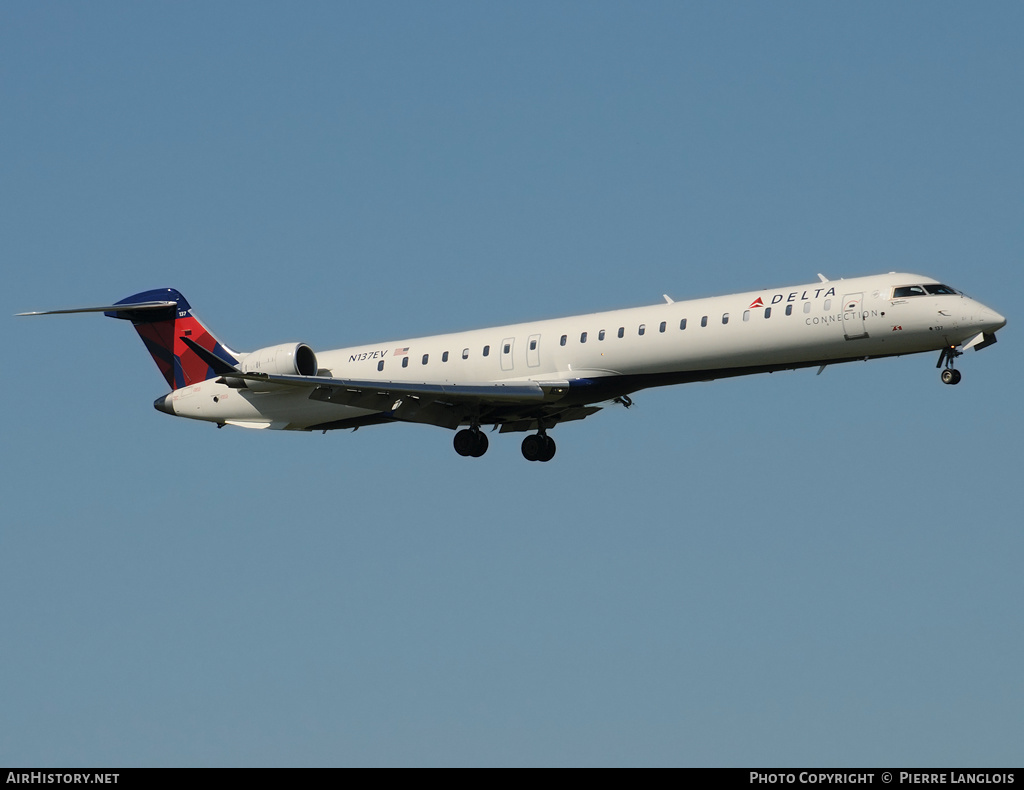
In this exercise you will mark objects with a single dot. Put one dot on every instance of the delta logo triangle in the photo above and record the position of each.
(756, 303)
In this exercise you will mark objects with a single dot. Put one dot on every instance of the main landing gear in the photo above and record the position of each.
(538, 447)
(948, 355)
(471, 442)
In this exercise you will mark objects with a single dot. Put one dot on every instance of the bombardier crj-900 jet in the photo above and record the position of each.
(532, 377)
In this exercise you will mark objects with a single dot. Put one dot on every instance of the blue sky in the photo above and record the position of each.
(777, 570)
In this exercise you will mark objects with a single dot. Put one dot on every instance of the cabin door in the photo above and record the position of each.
(507, 346)
(853, 317)
(533, 351)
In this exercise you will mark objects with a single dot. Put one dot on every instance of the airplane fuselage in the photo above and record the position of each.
(587, 359)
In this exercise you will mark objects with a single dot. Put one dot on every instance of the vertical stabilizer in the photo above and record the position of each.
(163, 329)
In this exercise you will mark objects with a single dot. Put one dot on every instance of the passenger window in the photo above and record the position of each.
(507, 348)
(622, 331)
(405, 362)
(682, 324)
(828, 305)
(725, 318)
(583, 337)
(807, 307)
(746, 315)
(487, 350)
(425, 358)
(642, 329)
(789, 309)
(465, 353)
(768, 312)
(600, 335)
(380, 365)
(562, 341)
(662, 327)
(704, 321)
(533, 345)
(444, 357)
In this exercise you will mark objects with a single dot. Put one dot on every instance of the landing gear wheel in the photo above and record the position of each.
(951, 376)
(464, 442)
(470, 442)
(533, 445)
(538, 447)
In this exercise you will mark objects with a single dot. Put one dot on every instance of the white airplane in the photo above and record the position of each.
(532, 377)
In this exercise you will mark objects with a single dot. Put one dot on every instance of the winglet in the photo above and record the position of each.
(667, 300)
(822, 277)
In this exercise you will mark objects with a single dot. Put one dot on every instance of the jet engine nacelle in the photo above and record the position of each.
(287, 359)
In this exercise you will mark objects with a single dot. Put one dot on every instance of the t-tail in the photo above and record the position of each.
(163, 318)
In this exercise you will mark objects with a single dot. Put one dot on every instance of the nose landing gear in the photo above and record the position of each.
(948, 355)
(951, 376)
(538, 447)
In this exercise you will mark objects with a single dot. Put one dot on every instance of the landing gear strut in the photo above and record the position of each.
(538, 447)
(948, 355)
(471, 442)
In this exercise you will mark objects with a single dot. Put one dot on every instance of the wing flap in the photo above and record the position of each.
(350, 391)
(551, 417)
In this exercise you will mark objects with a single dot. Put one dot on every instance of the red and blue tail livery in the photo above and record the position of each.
(163, 318)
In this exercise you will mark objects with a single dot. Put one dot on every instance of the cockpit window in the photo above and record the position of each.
(903, 291)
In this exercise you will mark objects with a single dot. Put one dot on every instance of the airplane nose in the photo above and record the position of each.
(164, 404)
(992, 320)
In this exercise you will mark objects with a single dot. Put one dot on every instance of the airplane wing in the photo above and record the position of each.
(448, 405)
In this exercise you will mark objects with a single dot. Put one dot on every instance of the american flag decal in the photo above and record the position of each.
(401, 352)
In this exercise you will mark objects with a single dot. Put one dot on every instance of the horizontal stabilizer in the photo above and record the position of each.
(138, 306)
